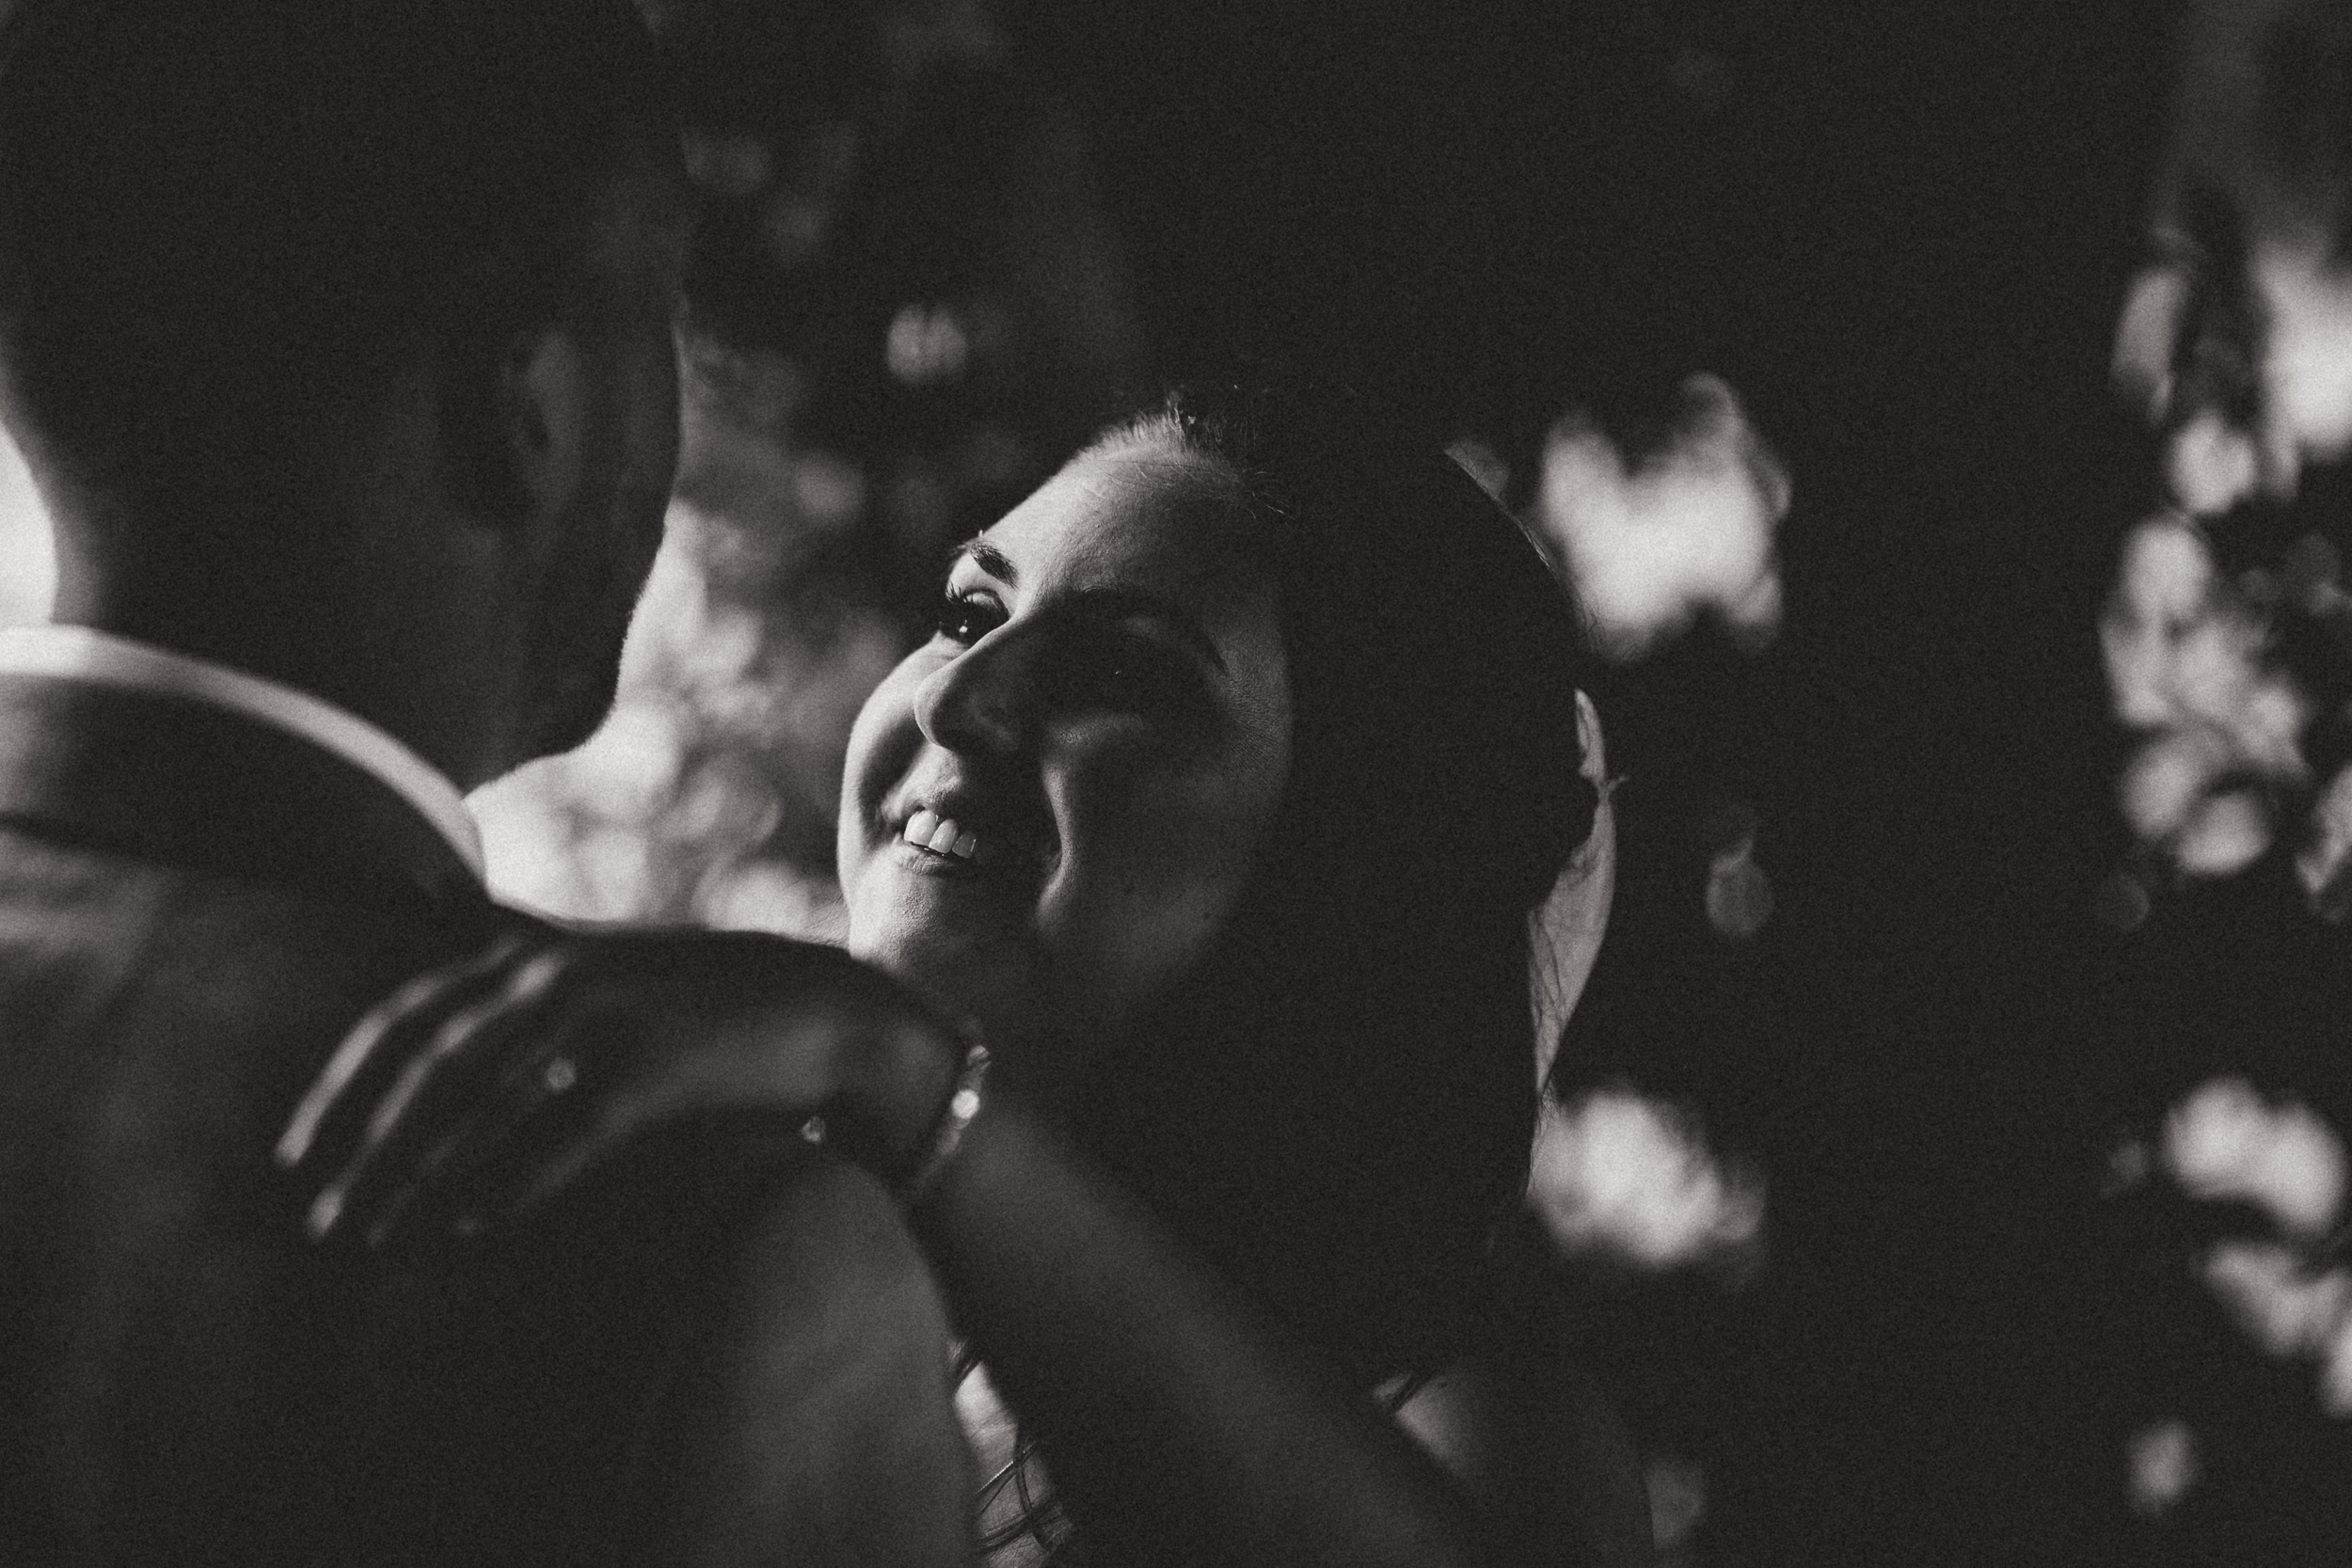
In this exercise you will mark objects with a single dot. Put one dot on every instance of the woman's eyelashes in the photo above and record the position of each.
(965, 616)
(1082, 664)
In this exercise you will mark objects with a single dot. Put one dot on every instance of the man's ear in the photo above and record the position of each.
(514, 425)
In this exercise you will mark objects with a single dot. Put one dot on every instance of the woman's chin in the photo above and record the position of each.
(960, 974)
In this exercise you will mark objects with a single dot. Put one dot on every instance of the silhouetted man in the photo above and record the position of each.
(337, 336)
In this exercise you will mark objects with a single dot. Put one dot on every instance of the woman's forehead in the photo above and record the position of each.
(1129, 517)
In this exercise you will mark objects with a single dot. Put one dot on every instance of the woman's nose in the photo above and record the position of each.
(982, 699)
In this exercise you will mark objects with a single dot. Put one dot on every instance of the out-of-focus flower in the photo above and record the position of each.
(2211, 464)
(2147, 337)
(1626, 1176)
(2326, 857)
(2188, 661)
(1652, 543)
(727, 729)
(2283, 1309)
(2235, 342)
(2307, 368)
(2167, 777)
(2164, 1467)
(927, 346)
(2224, 834)
(1739, 893)
(2183, 652)
(2291, 1292)
(2225, 1142)
(2167, 579)
(2290, 336)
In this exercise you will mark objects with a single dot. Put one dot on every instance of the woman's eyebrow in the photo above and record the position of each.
(989, 558)
(1113, 604)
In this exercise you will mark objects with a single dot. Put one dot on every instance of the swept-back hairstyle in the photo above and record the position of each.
(217, 216)
(1339, 1108)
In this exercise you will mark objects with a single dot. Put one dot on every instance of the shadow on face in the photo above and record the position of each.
(1053, 804)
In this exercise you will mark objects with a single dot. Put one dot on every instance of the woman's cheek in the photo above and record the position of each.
(882, 743)
(1118, 949)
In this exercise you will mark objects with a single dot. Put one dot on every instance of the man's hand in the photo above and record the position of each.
(479, 1091)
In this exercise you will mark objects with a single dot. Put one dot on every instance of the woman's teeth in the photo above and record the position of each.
(941, 835)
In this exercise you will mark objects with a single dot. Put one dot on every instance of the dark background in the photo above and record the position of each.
(1902, 231)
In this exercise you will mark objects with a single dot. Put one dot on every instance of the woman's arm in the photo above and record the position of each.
(803, 1412)
(1177, 1426)
(1180, 1427)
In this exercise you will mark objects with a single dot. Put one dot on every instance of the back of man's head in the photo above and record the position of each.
(219, 218)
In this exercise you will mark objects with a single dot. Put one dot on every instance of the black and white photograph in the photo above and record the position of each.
(1097, 783)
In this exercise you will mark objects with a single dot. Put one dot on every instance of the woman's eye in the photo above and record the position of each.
(963, 619)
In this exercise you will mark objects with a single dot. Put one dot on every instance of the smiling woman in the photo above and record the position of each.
(1440, 791)
(1238, 795)
(1053, 804)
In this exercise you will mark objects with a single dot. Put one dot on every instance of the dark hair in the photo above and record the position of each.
(217, 214)
(1339, 1109)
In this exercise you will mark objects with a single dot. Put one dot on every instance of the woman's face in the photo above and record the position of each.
(1052, 805)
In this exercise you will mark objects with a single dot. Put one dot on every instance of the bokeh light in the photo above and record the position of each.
(2164, 1465)
(927, 346)
(2188, 666)
(2282, 1306)
(2289, 1290)
(2237, 343)
(1739, 893)
(2224, 1141)
(1652, 541)
(1677, 1504)
(1624, 1177)
(708, 794)
(2306, 293)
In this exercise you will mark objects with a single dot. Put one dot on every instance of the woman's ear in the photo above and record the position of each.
(1565, 932)
(1590, 744)
(513, 426)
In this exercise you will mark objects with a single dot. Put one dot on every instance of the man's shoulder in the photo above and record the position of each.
(112, 927)
(190, 1005)
(168, 1329)
(173, 779)
(157, 1022)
